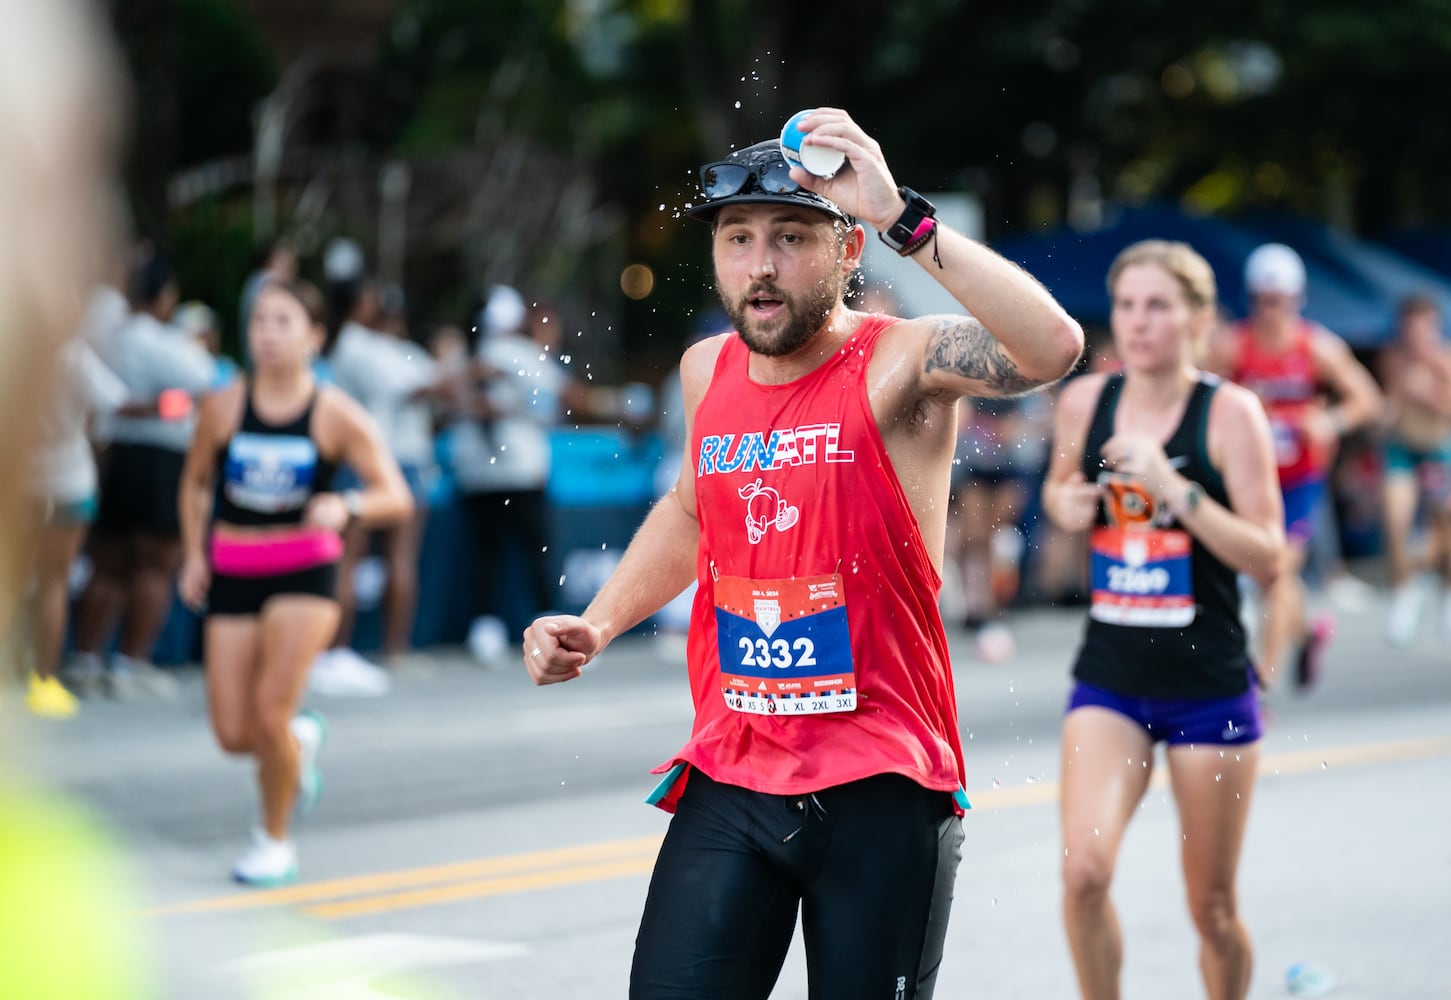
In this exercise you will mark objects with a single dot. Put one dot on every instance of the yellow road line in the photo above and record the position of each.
(415, 887)
(480, 889)
(414, 877)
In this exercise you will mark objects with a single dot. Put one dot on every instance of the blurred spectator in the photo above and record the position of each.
(358, 370)
(278, 259)
(393, 378)
(199, 321)
(136, 542)
(501, 458)
(64, 484)
(1001, 457)
(1416, 374)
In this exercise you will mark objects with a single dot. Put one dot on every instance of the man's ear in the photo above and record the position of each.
(854, 243)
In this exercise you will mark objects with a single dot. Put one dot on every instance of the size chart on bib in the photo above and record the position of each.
(784, 645)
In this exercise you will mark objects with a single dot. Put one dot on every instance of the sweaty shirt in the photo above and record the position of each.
(817, 654)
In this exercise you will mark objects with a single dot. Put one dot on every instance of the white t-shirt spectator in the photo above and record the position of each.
(382, 372)
(106, 313)
(511, 450)
(151, 356)
(63, 467)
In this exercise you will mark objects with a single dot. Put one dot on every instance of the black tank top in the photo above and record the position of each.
(1164, 622)
(269, 472)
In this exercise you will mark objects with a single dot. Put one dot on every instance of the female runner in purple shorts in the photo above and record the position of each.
(1174, 473)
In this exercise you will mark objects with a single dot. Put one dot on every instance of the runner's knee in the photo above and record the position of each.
(1086, 875)
(1215, 914)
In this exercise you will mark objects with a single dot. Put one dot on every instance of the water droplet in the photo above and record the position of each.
(1324, 765)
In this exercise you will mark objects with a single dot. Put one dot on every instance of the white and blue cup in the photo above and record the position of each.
(818, 160)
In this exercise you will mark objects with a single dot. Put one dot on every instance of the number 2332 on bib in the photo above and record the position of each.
(784, 645)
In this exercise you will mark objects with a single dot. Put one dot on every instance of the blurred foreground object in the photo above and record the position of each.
(61, 118)
(65, 917)
(68, 926)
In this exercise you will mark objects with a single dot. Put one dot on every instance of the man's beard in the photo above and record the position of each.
(802, 317)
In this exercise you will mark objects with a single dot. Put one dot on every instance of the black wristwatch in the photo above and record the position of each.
(904, 232)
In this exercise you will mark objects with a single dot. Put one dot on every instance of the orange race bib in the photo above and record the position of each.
(1142, 573)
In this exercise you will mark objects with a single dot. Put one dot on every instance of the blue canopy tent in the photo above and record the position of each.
(1352, 288)
(1429, 247)
(1378, 269)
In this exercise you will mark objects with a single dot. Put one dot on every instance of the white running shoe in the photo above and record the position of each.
(267, 862)
(86, 675)
(1403, 620)
(309, 728)
(342, 673)
(995, 643)
(131, 677)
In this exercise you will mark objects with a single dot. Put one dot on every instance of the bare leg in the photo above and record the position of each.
(355, 546)
(104, 598)
(1440, 554)
(294, 630)
(1398, 499)
(1213, 787)
(975, 520)
(158, 558)
(1284, 610)
(402, 545)
(1107, 760)
(232, 651)
(59, 544)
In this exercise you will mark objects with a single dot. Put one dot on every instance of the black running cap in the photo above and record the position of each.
(760, 158)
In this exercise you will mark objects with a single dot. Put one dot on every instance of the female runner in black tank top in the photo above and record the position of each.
(1183, 495)
(261, 564)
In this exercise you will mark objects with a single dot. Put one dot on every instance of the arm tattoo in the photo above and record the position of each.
(963, 347)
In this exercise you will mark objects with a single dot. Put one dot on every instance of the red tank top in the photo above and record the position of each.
(1287, 385)
(817, 653)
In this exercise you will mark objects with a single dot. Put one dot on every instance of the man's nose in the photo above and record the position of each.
(764, 265)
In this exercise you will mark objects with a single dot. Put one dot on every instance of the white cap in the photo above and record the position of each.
(505, 311)
(1274, 267)
(342, 260)
(194, 318)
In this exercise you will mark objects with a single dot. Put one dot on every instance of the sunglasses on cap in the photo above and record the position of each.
(721, 180)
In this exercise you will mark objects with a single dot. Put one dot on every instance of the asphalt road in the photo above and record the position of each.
(481, 838)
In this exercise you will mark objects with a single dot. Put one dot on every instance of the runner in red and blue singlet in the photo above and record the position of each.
(1293, 365)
